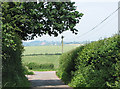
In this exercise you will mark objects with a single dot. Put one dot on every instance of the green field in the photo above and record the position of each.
(43, 59)
(47, 49)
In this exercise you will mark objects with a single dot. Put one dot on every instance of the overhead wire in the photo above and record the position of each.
(100, 22)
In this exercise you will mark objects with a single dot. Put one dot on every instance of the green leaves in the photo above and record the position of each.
(97, 64)
(26, 17)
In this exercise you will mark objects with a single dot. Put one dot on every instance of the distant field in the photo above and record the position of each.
(43, 59)
(47, 49)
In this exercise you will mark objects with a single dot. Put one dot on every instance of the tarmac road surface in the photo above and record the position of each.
(46, 80)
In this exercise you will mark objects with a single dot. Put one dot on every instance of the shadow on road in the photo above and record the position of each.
(48, 84)
(36, 83)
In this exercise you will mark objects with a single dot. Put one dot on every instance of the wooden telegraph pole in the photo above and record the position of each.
(62, 42)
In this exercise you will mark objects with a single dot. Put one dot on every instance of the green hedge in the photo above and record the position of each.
(34, 66)
(67, 64)
(12, 71)
(27, 71)
(96, 65)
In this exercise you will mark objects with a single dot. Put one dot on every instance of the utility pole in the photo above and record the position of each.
(119, 18)
(62, 42)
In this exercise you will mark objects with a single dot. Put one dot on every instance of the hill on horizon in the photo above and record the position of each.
(43, 43)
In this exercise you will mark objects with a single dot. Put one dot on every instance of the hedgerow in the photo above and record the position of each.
(67, 64)
(96, 65)
(34, 66)
(12, 71)
(27, 71)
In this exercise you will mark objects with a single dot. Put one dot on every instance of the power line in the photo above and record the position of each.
(100, 22)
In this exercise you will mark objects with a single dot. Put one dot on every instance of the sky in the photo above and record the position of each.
(94, 12)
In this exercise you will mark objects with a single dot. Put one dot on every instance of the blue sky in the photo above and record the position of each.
(94, 12)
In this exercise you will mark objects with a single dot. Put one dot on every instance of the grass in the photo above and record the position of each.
(47, 49)
(44, 59)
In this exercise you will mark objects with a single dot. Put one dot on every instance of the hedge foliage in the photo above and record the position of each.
(27, 71)
(12, 71)
(96, 64)
(34, 66)
(67, 65)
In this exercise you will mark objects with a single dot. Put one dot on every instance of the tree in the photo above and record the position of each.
(24, 21)
(30, 19)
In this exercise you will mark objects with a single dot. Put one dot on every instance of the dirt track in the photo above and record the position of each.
(46, 80)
